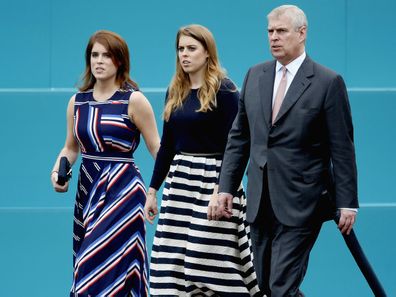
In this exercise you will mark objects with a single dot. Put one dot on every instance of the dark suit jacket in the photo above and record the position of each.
(308, 152)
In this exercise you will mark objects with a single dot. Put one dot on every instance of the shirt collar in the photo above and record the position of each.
(294, 65)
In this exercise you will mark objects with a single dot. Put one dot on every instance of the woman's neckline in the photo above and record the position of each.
(103, 100)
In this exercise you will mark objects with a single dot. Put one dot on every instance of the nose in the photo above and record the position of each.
(273, 35)
(183, 52)
(100, 59)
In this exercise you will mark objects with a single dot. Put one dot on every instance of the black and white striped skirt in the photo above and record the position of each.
(192, 256)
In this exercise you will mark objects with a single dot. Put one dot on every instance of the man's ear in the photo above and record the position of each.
(303, 33)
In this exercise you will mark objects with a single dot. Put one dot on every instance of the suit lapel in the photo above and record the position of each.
(266, 85)
(300, 83)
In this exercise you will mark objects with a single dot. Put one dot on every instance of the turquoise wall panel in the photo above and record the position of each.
(374, 123)
(25, 45)
(42, 50)
(371, 43)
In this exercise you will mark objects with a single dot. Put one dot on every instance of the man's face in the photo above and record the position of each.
(286, 42)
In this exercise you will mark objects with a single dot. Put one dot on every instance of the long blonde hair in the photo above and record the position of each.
(181, 86)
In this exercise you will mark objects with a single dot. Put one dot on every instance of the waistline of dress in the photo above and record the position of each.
(213, 155)
(109, 157)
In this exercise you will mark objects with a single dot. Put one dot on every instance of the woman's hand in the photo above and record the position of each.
(212, 207)
(58, 187)
(151, 208)
(70, 149)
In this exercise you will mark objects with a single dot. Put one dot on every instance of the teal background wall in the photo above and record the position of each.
(42, 56)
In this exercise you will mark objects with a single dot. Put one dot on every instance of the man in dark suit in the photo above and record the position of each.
(294, 127)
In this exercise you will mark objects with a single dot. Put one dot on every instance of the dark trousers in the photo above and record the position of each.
(280, 252)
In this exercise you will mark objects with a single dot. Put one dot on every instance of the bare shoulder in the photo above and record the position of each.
(72, 101)
(72, 98)
(137, 100)
(137, 97)
(138, 104)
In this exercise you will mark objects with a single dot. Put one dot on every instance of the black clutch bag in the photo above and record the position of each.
(64, 172)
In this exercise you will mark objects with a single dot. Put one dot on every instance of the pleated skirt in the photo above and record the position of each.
(192, 256)
(109, 245)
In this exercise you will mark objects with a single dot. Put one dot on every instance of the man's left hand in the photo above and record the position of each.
(347, 219)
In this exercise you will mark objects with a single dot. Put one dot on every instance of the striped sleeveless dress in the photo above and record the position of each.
(109, 248)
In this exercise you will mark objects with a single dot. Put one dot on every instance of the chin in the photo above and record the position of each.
(278, 56)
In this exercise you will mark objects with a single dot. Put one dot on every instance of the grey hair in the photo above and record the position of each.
(296, 15)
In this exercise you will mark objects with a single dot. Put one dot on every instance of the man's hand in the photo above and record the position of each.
(224, 208)
(347, 219)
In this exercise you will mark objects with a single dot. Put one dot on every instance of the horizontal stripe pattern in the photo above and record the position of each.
(192, 256)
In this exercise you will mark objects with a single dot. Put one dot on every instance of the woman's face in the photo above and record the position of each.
(192, 55)
(102, 66)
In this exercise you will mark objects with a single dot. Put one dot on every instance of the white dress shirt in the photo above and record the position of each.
(292, 69)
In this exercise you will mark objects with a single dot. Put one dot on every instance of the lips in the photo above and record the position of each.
(99, 69)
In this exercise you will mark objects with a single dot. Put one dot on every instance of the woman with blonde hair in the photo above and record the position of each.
(193, 254)
(104, 122)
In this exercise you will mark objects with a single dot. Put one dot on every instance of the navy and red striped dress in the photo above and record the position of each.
(110, 257)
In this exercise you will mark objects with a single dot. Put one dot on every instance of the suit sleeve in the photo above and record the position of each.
(228, 107)
(341, 143)
(237, 150)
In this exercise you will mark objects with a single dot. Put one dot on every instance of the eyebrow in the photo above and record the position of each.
(277, 29)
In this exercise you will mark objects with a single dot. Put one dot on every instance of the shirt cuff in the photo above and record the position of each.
(347, 208)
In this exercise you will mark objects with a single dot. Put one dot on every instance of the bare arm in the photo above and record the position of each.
(69, 150)
(142, 115)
